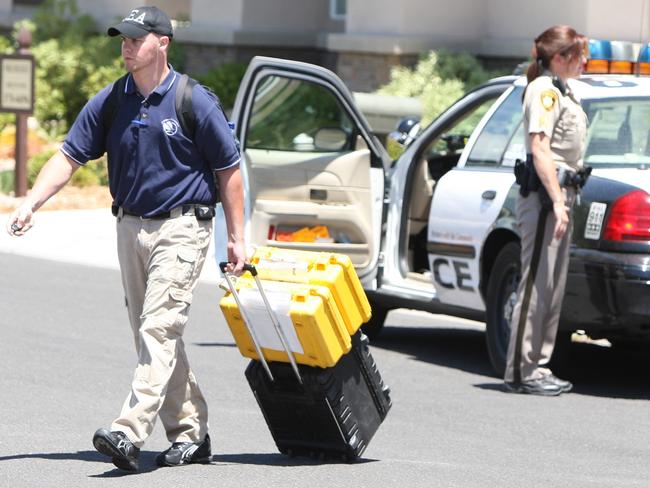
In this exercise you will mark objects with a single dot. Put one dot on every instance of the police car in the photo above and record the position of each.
(435, 229)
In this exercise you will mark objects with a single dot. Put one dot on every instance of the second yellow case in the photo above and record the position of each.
(332, 270)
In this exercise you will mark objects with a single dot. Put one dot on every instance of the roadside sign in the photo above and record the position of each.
(17, 83)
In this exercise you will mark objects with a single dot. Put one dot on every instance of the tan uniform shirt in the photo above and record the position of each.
(559, 117)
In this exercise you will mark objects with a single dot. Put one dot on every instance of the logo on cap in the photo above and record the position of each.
(134, 17)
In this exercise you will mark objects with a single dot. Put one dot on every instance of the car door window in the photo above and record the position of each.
(499, 133)
(297, 115)
(444, 151)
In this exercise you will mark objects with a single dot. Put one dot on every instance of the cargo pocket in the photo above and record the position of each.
(180, 301)
(179, 295)
(187, 258)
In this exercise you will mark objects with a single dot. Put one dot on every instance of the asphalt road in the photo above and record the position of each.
(66, 360)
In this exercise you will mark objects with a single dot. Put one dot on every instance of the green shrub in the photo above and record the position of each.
(464, 67)
(7, 181)
(6, 45)
(439, 79)
(176, 56)
(424, 82)
(35, 164)
(98, 169)
(64, 85)
(84, 177)
(224, 81)
(61, 19)
(92, 174)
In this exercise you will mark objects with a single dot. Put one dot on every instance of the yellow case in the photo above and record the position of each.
(333, 270)
(317, 322)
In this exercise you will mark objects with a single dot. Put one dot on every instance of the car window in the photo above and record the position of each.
(297, 115)
(490, 146)
(516, 148)
(444, 151)
(619, 132)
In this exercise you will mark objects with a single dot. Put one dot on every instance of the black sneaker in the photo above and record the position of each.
(186, 453)
(541, 386)
(117, 446)
(565, 386)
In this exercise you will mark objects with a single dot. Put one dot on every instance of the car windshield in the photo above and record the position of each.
(619, 132)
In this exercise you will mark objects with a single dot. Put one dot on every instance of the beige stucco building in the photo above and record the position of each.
(361, 39)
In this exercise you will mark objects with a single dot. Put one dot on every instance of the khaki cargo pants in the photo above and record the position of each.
(532, 335)
(160, 261)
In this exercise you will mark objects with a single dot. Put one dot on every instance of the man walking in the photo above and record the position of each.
(163, 186)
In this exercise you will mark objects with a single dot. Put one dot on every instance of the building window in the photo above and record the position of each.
(338, 9)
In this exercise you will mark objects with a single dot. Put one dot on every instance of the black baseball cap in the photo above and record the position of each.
(141, 21)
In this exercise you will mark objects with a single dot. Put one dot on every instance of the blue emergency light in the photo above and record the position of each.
(643, 61)
(600, 54)
(617, 57)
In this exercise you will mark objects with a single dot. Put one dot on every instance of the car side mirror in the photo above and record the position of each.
(331, 139)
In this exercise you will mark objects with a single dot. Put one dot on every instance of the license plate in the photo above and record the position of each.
(595, 220)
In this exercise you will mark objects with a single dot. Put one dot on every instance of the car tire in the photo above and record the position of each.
(375, 324)
(501, 298)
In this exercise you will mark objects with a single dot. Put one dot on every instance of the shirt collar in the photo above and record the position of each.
(160, 90)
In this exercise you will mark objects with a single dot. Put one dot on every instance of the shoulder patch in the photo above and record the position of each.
(548, 99)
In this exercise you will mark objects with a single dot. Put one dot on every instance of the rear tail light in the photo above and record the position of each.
(629, 218)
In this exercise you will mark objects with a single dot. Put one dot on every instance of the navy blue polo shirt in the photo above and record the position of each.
(152, 166)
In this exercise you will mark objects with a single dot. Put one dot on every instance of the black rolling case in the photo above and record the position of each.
(333, 414)
(327, 413)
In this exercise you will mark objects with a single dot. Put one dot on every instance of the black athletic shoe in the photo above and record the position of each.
(541, 386)
(186, 453)
(118, 447)
(565, 386)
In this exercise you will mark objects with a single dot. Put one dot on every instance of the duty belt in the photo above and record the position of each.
(573, 178)
(201, 212)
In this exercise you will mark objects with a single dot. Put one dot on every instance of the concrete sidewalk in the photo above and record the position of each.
(78, 236)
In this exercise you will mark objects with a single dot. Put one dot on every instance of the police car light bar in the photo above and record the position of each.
(643, 62)
(618, 57)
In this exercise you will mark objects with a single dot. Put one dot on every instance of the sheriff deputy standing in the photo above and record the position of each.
(556, 128)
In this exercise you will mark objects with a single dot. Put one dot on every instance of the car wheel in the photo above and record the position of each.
(375, 325)
(501, 298)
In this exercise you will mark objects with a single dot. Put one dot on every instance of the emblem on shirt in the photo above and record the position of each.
(549, 97)
(170, 126)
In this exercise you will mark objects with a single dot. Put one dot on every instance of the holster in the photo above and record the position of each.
(527, 179)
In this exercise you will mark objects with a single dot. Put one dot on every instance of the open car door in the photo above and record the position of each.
(314, 173)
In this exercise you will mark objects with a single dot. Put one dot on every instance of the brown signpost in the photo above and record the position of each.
(17, 96)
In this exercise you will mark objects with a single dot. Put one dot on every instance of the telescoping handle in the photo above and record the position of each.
(272, 315)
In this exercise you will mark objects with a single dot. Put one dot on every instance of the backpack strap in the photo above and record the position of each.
(113, 102)
(184, 108)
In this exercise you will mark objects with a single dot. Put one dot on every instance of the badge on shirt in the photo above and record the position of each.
(549, 97)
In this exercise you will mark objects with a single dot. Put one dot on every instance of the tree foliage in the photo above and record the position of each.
(438, 79)
(224, 81)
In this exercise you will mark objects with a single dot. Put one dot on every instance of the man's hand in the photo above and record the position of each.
(236, 256)
(21, 220)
